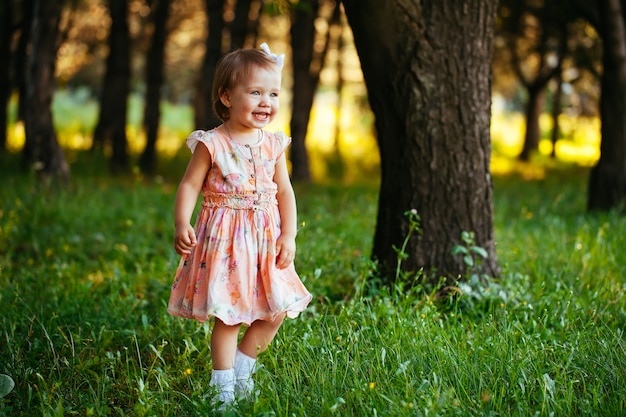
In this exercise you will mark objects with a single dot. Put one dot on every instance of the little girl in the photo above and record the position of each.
(237, 264)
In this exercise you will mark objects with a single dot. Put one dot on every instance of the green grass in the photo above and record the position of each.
(85, 275)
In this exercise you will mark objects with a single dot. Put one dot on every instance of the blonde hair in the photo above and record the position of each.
(232, 69)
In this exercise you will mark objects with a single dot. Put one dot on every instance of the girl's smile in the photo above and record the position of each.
(253, 103)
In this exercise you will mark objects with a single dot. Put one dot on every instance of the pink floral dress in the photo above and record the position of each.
(231, 273)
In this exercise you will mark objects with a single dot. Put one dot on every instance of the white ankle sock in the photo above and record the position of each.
(223, 381)
(244, 368)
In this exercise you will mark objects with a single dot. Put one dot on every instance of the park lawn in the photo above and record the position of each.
(84, 281)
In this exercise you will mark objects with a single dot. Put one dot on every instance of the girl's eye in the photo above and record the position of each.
(274, 94)
(255, 93)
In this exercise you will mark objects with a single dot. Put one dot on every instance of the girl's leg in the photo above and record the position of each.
(224, 344)
(254, 341)
(259, 335)
(223, 348)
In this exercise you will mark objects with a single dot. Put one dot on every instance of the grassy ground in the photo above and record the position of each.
(85, 275)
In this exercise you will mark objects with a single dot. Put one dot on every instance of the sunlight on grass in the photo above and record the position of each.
(579, 143)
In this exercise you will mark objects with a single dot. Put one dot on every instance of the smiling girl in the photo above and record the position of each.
(237, 263)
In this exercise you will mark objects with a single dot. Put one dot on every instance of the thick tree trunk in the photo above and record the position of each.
(154, 80)
(42, 151)
(427, 69)
(205, 117)
(534, 106)
(607, 182)
(111, 127)
(6, 83)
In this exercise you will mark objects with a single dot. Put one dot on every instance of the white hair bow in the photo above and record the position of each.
(278, 58)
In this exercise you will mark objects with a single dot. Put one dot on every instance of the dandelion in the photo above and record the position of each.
(502, 305)
(188, 371)
(372, 385)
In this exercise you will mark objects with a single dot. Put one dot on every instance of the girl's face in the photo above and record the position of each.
(253, 103)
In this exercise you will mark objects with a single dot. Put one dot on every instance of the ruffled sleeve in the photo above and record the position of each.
(283, 143)
(198, 136)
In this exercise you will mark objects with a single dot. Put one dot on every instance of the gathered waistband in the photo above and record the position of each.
(255, 201)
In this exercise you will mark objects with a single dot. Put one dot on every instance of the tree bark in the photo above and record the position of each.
(556, 112)
(534, 106)
(240, 27)
(42, 150)
(6, 83)
(307, 65)
(21, 55)
(607, 182)
(302, 39)
(205, 117)
(111, 127)
(427, 69)
(154, 80)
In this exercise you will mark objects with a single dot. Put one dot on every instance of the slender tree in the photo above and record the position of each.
(426, 65)
(243, 26)
(154, 80)
(21, 53)
(42, 150)
(6, 82)
(536, 37)
(307, 66)
(111, 127)
(205, 117)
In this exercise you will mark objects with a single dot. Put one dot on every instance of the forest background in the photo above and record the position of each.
(525, 64)
(85, 267)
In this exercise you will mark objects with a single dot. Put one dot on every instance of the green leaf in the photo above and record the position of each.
(6, 385)
(469, 261)
(480, 251)
(459, 249)
(467, 237)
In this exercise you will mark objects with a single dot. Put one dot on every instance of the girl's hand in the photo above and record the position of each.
(184, 239)
(285, 251)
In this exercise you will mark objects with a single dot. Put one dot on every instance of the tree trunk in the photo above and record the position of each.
(111, 127)
(42, 150)
(534, 106)
(427, 69)
(239, 28)
(307, 65)
(21, 55)
(338, 159)
(302, 39)
(205, 117)
(556, 112)
(607, 182)
(154, 80)
(6, 84)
